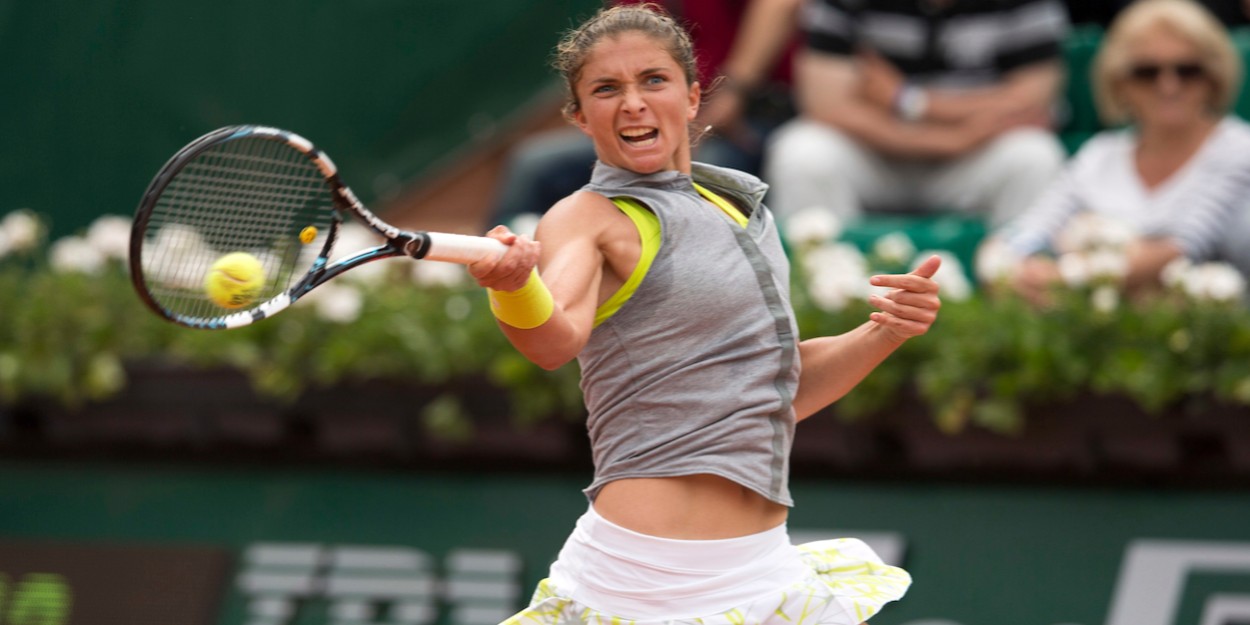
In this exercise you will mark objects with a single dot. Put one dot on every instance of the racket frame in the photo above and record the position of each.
(415, 244)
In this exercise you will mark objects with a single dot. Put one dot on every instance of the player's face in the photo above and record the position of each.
(1167, 84)
(635, 104)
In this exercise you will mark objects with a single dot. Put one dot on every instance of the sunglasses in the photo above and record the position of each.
(1150, 72)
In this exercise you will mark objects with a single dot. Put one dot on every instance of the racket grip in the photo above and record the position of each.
(461, 248)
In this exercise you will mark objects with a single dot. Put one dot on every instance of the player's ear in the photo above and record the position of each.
(696, 98)
(578, 118)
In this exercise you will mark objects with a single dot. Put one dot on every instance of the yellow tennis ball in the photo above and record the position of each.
(235, 280)
(307, 235)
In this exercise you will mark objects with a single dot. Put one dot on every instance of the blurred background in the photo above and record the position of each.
(379, 454)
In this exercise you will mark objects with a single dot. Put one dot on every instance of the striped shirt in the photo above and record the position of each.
(1192, 207)
(966, 43)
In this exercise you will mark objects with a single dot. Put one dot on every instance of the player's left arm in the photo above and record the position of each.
(833, 365)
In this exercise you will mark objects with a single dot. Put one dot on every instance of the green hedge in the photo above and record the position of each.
(69, 335)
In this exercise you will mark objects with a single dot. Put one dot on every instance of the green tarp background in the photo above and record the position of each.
(980, 555)
(96, 95)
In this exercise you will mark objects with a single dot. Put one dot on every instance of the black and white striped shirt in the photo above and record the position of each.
(958, 43)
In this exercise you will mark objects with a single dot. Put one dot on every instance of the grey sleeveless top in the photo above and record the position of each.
(696, 372)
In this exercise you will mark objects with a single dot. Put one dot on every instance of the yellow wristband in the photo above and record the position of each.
(527, 307)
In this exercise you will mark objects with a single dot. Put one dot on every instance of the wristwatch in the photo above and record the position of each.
(910, 102)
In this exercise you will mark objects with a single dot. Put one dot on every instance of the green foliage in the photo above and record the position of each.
(68, 335)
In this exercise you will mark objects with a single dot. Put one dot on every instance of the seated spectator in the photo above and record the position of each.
(743, 48)
(1176, 177)
(921, 105)
(1232, 13)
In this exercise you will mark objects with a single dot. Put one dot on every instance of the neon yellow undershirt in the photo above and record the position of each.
(649, 234)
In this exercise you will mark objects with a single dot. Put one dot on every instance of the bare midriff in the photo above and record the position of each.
(688, 507)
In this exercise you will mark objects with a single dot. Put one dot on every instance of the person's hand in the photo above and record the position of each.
(1035, 278)
(879, 81)
(723, 112)
(510, 271)
(911, 307)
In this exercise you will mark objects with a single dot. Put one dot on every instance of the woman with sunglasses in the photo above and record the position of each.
(1177, 173)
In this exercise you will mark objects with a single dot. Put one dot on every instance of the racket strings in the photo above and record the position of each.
(252, 195)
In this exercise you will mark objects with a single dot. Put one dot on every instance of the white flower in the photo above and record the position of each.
(1105, 299)
(895, 248)
(1087, 231)
(1174, 273)
(525, 223)
(73, 254)
(1073, 269)
(336, 301)
(812, 225)
(110, 236)
(21, 230)
(950, 276)
(434, 273)
(1217, 282)
(1106, 263)
(837, 273)
(995, 261)
(841, 257)
(832, 292)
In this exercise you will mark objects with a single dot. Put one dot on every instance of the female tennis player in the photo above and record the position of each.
(667, 281)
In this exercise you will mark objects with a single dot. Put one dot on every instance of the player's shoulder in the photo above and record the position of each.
(581, 207)
(584, 213)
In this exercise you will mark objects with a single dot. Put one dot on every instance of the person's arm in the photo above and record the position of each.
(827, 90)
(766, 28)
(833, 365)
(568, 247)
(1146, 260)
(1025, 94)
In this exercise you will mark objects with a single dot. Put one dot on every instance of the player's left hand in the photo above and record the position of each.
(912, 304)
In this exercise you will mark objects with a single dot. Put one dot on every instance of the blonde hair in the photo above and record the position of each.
(1184, 18)
(648, 19)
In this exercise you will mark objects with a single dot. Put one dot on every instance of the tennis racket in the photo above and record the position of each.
(270, 194)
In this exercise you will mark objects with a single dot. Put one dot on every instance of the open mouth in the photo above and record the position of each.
(640, 137)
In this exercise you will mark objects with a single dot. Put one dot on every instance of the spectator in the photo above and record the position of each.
(1102, 12)
(1175, 176)
(744, 49)
(921, 104)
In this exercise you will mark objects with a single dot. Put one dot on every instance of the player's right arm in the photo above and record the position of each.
(569, 251)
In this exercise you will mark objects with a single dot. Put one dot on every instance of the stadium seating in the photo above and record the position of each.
(1078, 116)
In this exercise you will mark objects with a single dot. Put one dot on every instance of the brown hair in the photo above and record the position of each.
(648, 19)
(1185, 18)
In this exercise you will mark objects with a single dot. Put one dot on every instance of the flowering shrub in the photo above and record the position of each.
(72, 327)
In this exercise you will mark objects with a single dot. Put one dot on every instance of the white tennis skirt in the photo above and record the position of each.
(608, 574)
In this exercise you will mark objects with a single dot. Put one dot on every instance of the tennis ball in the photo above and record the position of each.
(234, 280)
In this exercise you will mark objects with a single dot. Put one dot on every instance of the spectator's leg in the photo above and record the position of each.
(1002, 179)
(810, 164)
(542, 170)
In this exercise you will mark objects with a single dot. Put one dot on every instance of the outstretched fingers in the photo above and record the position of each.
(911, 306)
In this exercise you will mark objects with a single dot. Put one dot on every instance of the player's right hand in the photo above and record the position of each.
(510, 271)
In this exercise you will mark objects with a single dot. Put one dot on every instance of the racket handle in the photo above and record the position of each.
(461, 248)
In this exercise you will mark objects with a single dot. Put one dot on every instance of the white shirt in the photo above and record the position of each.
(1192, 206)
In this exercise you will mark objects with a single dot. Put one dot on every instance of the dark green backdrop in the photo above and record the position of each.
(98, 94)
(980, 555)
